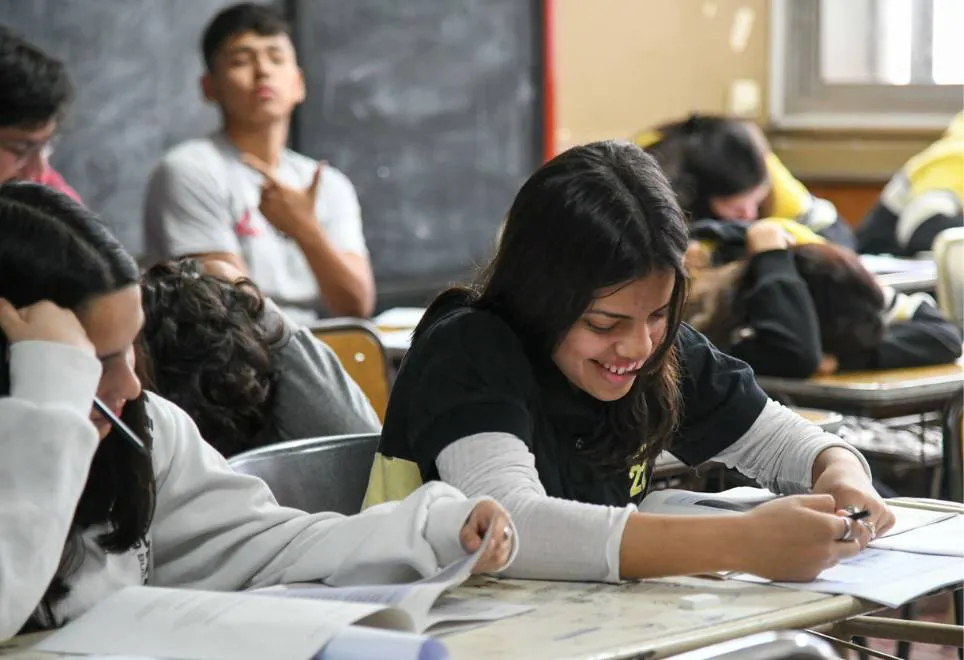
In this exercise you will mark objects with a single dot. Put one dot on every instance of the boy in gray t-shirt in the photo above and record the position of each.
(292, 224)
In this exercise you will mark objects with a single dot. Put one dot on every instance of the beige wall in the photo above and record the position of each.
(622, 65)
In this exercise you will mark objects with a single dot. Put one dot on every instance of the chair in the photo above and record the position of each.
(356, 343)
(318, 474)
(949, 256)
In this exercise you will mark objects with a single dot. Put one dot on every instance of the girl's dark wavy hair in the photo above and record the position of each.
(707, 156)
(847, 300)
(52, 248)
(205, 347)
(593, 217)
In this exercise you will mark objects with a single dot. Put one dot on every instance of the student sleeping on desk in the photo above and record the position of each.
(794, 305)
(84, 512)
(555, 382)
(232, 360)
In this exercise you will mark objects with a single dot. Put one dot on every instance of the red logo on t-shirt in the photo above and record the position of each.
(245, 226)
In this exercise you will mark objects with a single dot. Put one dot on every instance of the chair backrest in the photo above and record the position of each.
(360, 351)
(318, 474)
(949, 256)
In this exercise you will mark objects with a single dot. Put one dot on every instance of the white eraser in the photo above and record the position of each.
(699, 601)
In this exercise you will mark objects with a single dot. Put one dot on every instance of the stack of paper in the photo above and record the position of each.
(292, 622)
(921, 553)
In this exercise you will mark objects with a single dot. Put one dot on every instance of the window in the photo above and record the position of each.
(866, 63)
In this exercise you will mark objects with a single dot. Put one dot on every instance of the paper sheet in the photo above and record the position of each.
(688, 503)
(398, 340)
(400, 317)
(200, 625)
(357, 643)
(888, 577)
(881, 264)
(739, 500)
(422, 599)
(939, 538)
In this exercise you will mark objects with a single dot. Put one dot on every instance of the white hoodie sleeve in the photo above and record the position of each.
(46, 446)
(216, 529)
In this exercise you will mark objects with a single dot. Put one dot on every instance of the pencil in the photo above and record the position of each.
(119, 425)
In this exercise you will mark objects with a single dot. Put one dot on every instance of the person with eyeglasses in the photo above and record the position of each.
(36, 92)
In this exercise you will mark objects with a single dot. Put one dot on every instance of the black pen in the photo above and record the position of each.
(118, 424)
(859, 515)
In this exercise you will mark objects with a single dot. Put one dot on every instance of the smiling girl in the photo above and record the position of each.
(555, 383)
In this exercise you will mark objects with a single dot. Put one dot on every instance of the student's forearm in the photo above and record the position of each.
(347, 288)
(48, 444)
(841, 465)
(659, 546)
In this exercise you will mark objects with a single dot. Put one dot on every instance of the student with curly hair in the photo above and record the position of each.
(237, 365)
(84, 512)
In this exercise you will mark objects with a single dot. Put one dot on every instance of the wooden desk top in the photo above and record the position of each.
(920, 388)
(589, 620)
(828, 420)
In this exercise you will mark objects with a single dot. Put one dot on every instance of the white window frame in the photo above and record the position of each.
(799, 99)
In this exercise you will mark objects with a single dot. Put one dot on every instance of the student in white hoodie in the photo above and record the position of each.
(83, 512)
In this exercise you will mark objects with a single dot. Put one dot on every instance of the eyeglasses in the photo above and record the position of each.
(24, 150)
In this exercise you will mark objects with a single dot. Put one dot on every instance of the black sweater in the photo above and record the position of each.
(782, 333)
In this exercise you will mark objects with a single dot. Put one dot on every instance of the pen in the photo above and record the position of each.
(118, 424)
(859, 515)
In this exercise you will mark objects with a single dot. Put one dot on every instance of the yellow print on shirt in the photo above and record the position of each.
(637, 473)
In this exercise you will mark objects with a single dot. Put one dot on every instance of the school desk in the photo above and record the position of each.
(642, 619)
(905, 275)
(912, 282)
(884, 394)
(878, 394)
(645, 619)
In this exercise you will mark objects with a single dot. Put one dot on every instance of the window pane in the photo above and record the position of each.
(948, 47)
(895, 21)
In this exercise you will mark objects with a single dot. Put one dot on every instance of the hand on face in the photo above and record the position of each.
(43, 321)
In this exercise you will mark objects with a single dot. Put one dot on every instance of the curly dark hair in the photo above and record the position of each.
(34, 87)
(205, 347)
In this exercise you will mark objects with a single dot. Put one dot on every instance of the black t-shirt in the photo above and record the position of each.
(469, 373)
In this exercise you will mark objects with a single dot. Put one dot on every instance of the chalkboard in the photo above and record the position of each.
(432, 108)
(135, 65)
